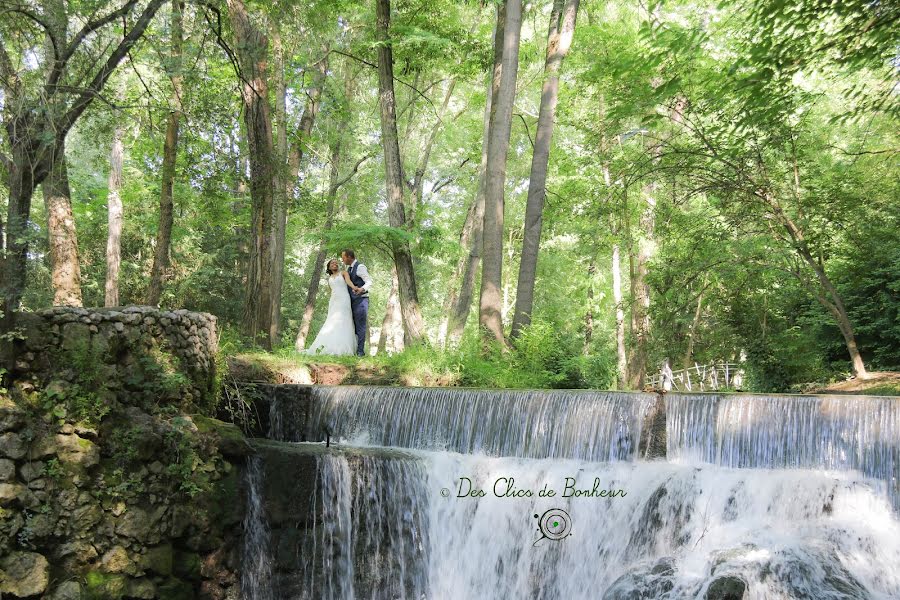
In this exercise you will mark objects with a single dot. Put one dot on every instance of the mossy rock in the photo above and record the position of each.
(229, 439)
(105, 586)
(159, 559)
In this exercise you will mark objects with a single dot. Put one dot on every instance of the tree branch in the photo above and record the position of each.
(112, 62)
(89, 28)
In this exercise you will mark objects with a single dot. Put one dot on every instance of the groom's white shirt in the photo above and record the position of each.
(363, 272)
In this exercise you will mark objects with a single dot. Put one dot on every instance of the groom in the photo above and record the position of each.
(359, 296)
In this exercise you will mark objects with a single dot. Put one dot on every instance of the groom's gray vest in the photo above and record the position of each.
(357, 281)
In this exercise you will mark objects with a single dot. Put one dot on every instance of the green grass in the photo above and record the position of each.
(535, 363)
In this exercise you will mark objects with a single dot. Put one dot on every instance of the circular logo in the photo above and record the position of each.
(554, 524)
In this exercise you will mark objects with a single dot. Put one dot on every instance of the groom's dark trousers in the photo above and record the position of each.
(360, 308)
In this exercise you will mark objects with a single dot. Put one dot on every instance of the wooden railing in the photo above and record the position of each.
(699, 378)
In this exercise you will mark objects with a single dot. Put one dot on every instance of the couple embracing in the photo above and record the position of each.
(344, 331)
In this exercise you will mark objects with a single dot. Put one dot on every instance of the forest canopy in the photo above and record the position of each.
(586, 190)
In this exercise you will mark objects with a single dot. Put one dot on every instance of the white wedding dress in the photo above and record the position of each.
(338, 335)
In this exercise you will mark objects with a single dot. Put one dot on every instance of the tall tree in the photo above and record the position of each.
(170, 155)
(409, 298)
(37, 119)
(461, 288)
(289, 172)
(559, 40)
(115, 217)
(65, 270)
(391, 337)
(490, 317)
(621, 356)
(252, 53)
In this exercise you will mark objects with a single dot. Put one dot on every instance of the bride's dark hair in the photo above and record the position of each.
(328, 267)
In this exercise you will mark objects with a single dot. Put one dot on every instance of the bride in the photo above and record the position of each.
(337, 335)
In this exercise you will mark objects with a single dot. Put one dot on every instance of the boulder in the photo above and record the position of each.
(158, 559)
(7, 469)
(229, 438)
(116, 560)
(31, 470)
(106, 585)
(728, 587)
(67, 590)
(70, 448)
(142, 588)
(11, 416)
(10, 492)
(24, 574)
(12, 446)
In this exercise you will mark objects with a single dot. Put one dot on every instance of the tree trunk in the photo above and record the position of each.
(34, 135)
(22, 182)
(65, 270)
(559, 40)
(510, 12)
(409, 301)
(827, 294)
(114, 219)
(621, 357)
(391, 338)
(689, 351)
(170, 154)
(589, 314)
(459, 299)
(640, 290)
(318, 262)
(425, 156)
(288, 174)
(252, 48)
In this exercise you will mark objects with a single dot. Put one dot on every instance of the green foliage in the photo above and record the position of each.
(86, 398)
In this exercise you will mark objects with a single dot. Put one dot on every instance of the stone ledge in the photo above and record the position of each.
(118, 338)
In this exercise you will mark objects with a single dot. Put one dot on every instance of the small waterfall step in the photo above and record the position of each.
(346, 522)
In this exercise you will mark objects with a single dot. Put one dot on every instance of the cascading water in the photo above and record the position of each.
(812, 432)
(789, 497)
(596, 426)
(371, 539)
(256, 578)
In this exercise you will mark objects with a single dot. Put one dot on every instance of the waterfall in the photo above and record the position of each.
(597, 426)
(369, 537)
(256, 576)
(811, 432)
(439, 494)
(390, 532)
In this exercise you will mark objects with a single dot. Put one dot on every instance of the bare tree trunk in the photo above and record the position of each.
(495, 175)
(689, 351)
(640, 290)
(170, 155)
(252, 48)
(621, 357)
(65, 270)
(589, 314)
(114, 219)
(391, 338)
(559, 40)
(409, 301)
(459, 299)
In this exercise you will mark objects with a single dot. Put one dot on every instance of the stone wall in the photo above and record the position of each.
(114, 482)
(126, 344)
